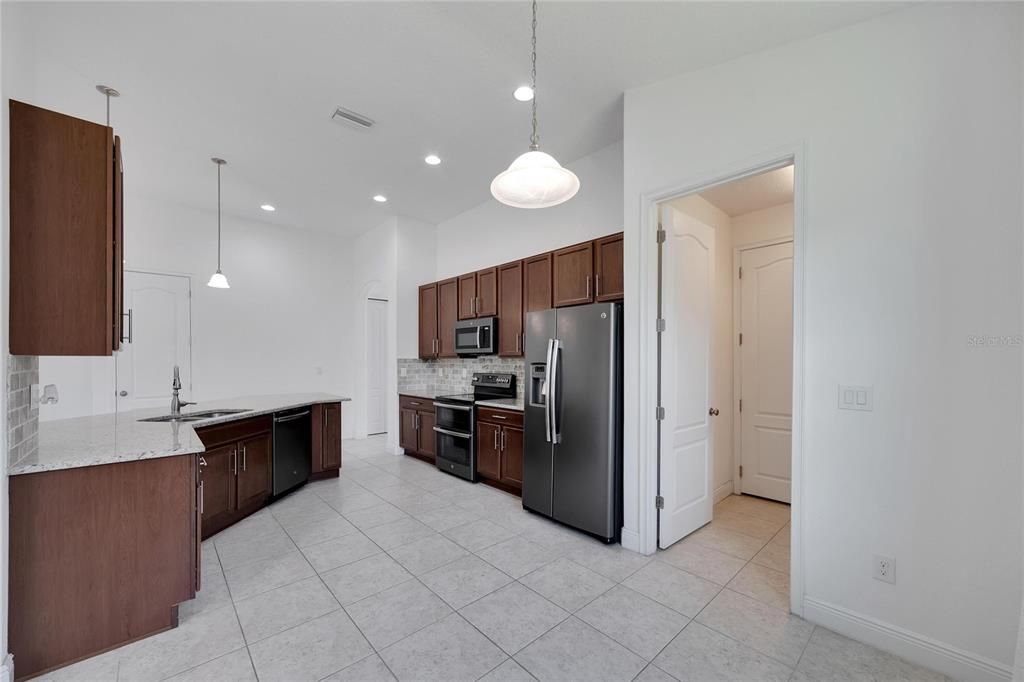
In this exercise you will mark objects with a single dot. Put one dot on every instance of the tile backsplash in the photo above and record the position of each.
(22, 415)
(446, 375)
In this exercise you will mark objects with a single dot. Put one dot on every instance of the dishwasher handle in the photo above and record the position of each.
(291, 417)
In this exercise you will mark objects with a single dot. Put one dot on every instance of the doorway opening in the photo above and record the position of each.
(376, 366)
(725, 348)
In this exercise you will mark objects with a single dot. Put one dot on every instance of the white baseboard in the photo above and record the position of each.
(723, 491)
(7, 669)
(917, 648)
(630, 539)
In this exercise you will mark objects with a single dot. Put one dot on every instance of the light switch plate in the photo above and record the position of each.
(857, 398)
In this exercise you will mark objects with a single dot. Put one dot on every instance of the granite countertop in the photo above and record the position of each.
(503, 403)
(109, 438)
(425, 392)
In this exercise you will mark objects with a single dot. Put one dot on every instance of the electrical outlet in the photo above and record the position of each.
(403, 371)
(885, 569)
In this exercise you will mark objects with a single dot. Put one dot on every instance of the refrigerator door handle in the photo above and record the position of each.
(556, 435)
(545, 391)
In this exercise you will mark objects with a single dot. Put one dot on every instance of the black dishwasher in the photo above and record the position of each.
(293, 449)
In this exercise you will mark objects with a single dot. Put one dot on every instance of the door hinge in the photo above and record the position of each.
(741, 273)
(741, 471)
(659, 413)
(741, 338)
(661, 234)
(660, 325)
(659, 502)
(741, 404)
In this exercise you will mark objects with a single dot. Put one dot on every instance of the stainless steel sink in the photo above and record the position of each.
(196, 416)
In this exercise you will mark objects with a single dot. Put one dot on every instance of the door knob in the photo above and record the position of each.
(123, 393)
(713, 411)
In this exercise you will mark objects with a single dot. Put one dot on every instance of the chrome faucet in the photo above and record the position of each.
(177, 404)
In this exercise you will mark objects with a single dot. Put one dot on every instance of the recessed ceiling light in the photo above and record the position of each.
(432, 160)
(524, 93)
(268, 208)
(379, 198)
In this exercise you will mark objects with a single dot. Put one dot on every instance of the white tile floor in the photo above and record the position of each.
(396, 570)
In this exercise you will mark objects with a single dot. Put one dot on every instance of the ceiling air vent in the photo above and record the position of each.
(346, 116)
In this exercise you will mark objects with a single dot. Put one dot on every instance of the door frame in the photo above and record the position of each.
(364, 430)
(644, 458)
(737, 365)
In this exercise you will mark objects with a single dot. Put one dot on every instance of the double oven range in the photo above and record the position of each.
(455, 427)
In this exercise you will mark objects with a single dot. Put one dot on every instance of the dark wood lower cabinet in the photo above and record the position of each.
(416, 427)
(499, 448)
(232, 488)
(255, 470)
(99, 556)
(218, 487)
(326, 441)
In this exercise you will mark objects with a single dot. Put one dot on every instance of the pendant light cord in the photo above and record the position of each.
(534, 140)
(218, 217)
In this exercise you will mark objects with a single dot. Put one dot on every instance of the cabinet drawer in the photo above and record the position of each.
(408, 402)
(503, 417)
(234, 430)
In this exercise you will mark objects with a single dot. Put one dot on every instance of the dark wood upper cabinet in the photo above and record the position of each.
(447, 316)
(467, 296)
(65, 234)
(510, 309)
(487, 292)
(429, 342)
(331, 436)
(608, 279)
(573, 275)
(537, 283)
(254, 470)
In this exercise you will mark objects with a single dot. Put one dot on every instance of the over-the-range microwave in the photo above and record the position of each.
(476, 337)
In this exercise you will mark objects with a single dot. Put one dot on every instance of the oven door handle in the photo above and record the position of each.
(449, 406)
(456, 434)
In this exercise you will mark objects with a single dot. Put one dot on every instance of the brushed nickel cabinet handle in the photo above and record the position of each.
(496, 439)
(498, 416)
(503, 440)
(243, 458)
(597, 284)
(202, 499)
(588, 286)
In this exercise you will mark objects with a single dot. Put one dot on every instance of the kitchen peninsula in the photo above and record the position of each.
(107, 517)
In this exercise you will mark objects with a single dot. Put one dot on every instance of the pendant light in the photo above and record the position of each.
(535, 179)
(217, 279)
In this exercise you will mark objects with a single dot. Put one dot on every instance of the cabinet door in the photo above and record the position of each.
(510, 309)
(254, 470)
(467, 296)
(608, 284)
(317, 435)
(573, 275)
(487, 292)
(218, 487)
(332, 436)
(537, 283)
(512, 456)
(488, 450)
(117, 332)
(407, 430)
(61, 234)
(447, 316)
(426, 439)
(428, 321)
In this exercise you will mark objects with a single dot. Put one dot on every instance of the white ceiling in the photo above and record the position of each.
(256, 83)
(764, 190)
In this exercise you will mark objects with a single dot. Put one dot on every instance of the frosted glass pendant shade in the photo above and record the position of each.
(218, 281)
(535, 180)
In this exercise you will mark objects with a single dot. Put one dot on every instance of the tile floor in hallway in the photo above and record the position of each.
(396, 570)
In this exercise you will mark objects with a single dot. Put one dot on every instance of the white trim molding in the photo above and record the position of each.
(914, 647)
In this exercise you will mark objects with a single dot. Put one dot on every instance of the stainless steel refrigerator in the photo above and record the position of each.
(572, 466)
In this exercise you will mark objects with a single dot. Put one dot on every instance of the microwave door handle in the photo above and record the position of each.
(479, 344)
(546, 392)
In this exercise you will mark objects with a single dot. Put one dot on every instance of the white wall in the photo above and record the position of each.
(758, 226)
(721, 396)
(492, 233)
(417, 254)
(911, 243)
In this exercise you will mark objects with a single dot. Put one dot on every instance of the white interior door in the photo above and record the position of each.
(766, 371)
(376, 366)
(687, 458)
(159, 337)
